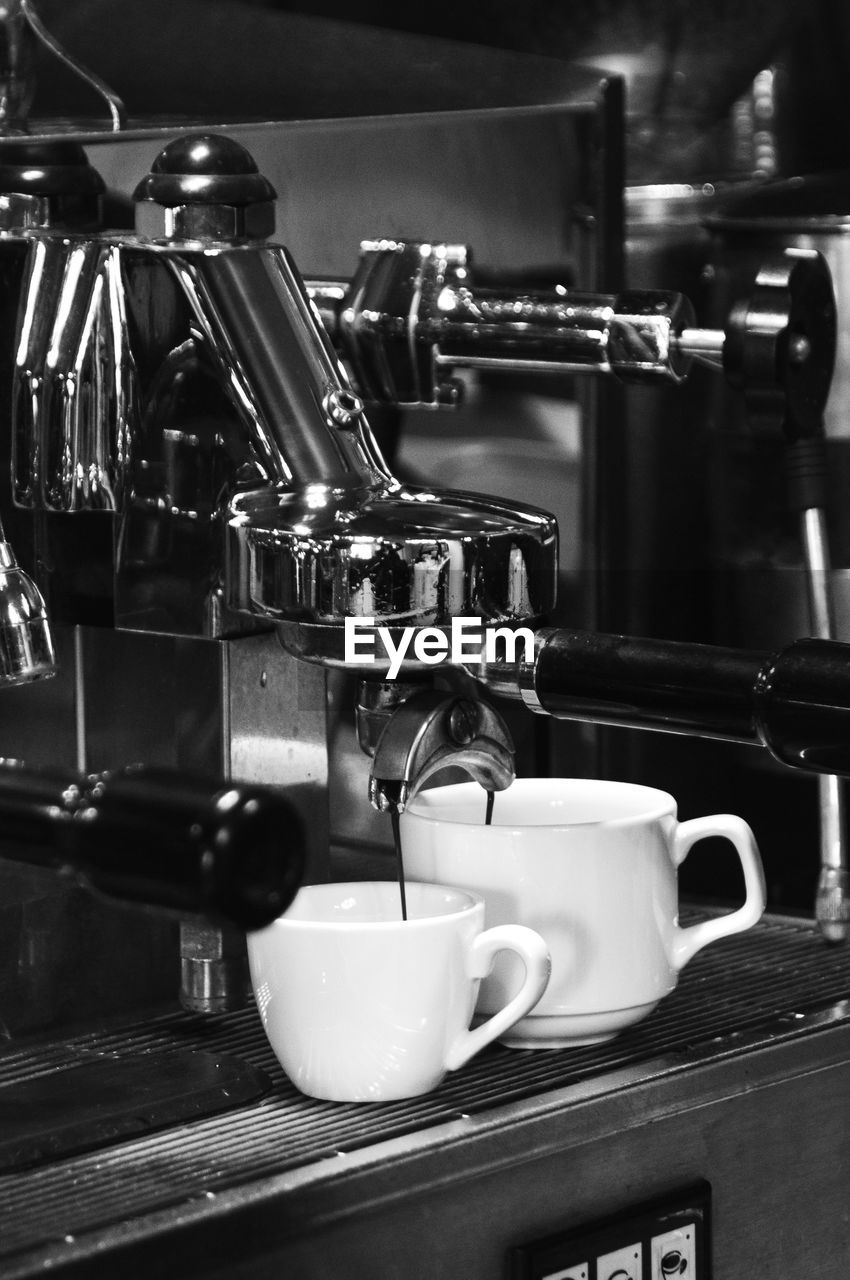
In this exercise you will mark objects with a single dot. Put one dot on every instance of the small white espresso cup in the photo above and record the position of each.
(591, 866)
(361, 1005)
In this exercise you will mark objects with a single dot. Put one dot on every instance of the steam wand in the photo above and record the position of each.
(806, 466)
(780, 357)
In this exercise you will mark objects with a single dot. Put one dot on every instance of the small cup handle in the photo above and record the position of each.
(538, 966)
(687, 942)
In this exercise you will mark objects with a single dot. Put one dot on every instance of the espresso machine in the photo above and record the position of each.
(199, 496)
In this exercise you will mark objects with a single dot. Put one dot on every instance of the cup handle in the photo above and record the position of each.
(687, 942)
(538, 966)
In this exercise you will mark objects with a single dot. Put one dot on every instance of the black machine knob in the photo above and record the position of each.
(780, 344)
(204, 168)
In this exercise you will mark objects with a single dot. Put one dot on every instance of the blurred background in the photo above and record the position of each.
(689, 67)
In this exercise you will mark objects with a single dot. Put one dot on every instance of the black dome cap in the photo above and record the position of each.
(47, 169)
(204, 168)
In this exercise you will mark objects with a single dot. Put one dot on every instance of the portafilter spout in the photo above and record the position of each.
(431, 730)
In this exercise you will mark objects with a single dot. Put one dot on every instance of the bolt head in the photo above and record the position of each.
(206, 222)
(343, 407)
(463, 723)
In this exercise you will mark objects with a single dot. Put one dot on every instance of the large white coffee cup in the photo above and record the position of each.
(591, 866)
(361, 1005)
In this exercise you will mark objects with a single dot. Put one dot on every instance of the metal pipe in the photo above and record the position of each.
(831, 900)
(705, 345)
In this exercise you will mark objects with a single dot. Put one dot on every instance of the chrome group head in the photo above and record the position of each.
(178, 383)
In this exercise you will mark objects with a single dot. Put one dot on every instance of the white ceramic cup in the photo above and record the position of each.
(361, 1005)
(591, 866)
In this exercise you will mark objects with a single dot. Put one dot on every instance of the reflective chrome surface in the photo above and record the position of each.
(192, 389)
(73, 382)
(400, 555)
(182, 396)
(26, 644)
(125, 518)
(413, 313)
(832, 905)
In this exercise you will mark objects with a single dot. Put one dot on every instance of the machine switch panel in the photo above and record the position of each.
(666, 1239)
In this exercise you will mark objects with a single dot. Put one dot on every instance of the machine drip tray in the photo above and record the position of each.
(778, 983)
(102, 1100)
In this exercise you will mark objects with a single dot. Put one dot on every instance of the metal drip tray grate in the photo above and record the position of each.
(778, 980)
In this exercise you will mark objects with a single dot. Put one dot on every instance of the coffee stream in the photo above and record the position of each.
(394, 817)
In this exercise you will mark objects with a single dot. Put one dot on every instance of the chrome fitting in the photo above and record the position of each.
(343, 407)
(832, 903)
(210, 222)
(213, 968)
(45, 185)
(377, 702)
(205, 187)
(26, 645)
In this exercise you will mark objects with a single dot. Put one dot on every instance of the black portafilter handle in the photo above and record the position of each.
(795, 702)
(230, 852)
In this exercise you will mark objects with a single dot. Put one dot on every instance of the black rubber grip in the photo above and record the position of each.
(803, 706)
(795, 702)
(805, 466)
(231, 852)
(667, 685)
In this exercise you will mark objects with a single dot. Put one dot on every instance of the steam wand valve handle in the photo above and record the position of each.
(779, 349)
(806, 470)
(228, 852)
(413, 314)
